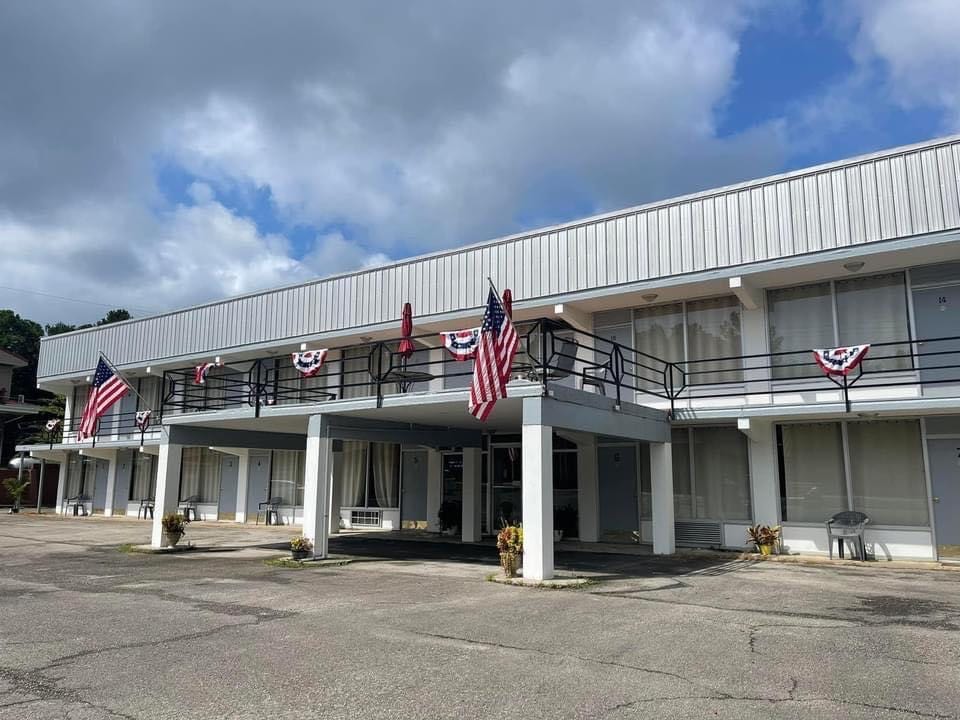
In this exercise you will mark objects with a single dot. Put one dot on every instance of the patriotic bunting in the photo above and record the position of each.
(142, 419)
(310, 362)
(52, 424)
(840, 361)
(462, 344)
(200, 372)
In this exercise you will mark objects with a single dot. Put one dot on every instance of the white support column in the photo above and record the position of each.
(112, 463)
(434, 489)
(588, 489)
(472, 497)
(762, 450)
(661, 489)
(62, 482)
(243, 482)
(336, 495)
(316, 486)
(537, 492)
(168, 487)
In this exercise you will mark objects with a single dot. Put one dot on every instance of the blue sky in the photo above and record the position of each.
(242, 145)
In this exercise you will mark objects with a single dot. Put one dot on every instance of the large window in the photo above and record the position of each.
(370, 474)
(286, 476)
(705, 333)
(81, 475)
(832, 314)
(711, 474)
(143, 479)
(884, 479)
(200, 474)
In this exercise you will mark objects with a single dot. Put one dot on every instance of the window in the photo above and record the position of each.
(868, 309)
(200, 474)
(143, 479)
(370, 474)
(286, 476)
(812, 484)
(81, 475)
(357, 381)
(886, 474)
(711, 476)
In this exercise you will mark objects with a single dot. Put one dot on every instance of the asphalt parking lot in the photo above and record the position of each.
(413, 630)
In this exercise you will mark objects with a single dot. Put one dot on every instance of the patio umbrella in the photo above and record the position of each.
(508, 302)
(406, 328)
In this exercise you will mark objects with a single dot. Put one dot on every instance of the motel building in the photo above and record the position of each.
(665, 388)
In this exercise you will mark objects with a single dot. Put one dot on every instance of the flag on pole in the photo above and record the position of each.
(107, 388)
(494, 359)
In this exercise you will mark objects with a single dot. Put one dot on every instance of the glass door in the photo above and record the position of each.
(506, 504)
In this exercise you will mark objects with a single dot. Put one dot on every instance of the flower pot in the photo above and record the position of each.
(299, 554)
(509, 562)
(766, 549)
(171, 539)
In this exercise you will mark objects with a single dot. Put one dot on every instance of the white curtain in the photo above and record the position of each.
(813, 486)
(886, 469)
(385, 479)
(142, 483)
(682, 494)
(286, 476)
(874, 310)
(357, 381)
(801, 318)
(722, 474)
(713, 331)
(658, 331)
(353, 471)
(200, 474)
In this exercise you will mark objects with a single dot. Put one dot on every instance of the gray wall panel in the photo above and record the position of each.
(898, 193)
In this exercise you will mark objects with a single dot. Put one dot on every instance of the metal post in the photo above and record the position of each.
(43, 469)
(543, 354)
(846, 393)
(378, 348)
(16, 505)
(257, 391)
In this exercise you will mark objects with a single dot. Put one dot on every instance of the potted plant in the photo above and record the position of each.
(16, 488)
(173, 529)
(566, 521)
(765, 537)
(300, 547)
(449, 516)
(510, 545)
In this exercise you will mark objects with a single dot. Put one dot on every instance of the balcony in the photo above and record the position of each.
(552, 352)
(113, 427)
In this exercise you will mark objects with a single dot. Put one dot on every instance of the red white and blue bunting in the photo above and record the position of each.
(310, 362)
(462, 344)
(840, 361)
(52, 424)
(200, 372)
(142, 419)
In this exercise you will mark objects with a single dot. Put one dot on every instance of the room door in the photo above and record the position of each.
(937, 314)
(945, 482)
(413, 492)
(229, 474)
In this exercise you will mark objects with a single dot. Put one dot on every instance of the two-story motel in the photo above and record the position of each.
(665, 382)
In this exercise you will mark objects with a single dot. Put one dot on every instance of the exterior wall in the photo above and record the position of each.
(894, 194)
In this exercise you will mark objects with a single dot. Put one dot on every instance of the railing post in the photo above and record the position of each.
(257, 391)
(378, 348)
(618, 372)
(543, 354)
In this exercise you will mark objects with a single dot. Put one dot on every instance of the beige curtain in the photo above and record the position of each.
(385, 481)
(353, 471)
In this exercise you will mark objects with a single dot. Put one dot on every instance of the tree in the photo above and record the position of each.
(118, 315)
(58, 328)
(22, 337)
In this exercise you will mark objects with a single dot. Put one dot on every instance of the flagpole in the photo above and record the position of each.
(116, 372)
(497, 292)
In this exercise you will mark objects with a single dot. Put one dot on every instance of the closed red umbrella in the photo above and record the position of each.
(406, 329)
(508, 302)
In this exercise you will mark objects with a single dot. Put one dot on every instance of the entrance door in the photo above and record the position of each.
(229, 473)
(507, 505)
(617, 475)
(945, 481)
(100, 469)
(413, 495)
(937, 314)
(258, 483)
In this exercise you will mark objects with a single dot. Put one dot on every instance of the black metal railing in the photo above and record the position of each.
(551, 351)
(120, 425)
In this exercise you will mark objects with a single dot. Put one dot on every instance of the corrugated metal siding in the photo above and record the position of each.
(905, 192)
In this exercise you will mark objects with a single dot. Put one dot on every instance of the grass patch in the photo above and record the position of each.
(562, 583)
(288, 563)
(127, 548)
(285, 562)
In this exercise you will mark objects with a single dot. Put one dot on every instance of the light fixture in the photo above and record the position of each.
(366, 338)
(853, 266)
(650, 297)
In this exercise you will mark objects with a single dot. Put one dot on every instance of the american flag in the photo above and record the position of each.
(107, 388)
(494, 359)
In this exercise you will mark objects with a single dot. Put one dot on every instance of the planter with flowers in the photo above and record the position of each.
(765, 537)
(510, 545)
(300, 547)
(174, 527)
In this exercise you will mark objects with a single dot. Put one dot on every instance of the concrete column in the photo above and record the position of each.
(537, 495)
(62, 482)
(243, 482)
(763, 472)
(434, 489)
(661, 491)
(472, 495)
(168, 487)
(588, 489)
(112, 463)
(316, 486)
(336, 497)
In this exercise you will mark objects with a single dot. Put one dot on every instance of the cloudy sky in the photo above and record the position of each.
(159, 154)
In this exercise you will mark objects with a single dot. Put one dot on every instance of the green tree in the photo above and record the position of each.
(21, 336)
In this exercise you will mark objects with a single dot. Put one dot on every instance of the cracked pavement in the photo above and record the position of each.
(412, 630)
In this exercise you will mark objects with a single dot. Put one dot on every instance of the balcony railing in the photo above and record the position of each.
(554, 352)
(121, 426)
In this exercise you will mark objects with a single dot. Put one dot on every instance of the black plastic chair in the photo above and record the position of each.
(271, 509)
(188, 506)
(146, 505)
(848, 525)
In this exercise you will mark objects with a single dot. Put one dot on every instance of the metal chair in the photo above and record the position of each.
(270, 508)
(146, 505)
(847, 525)
(188, 506)
(597, 377)
(566, 357)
